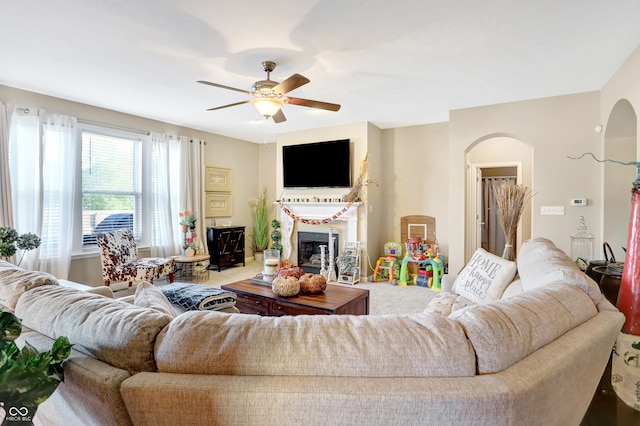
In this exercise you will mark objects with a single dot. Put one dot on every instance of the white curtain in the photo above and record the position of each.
(43, 150)
(25, 160)
(6, 216)
(165, 193)
(61, 149)
(192, 185)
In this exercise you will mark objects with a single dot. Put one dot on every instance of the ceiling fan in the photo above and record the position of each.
(269, 95)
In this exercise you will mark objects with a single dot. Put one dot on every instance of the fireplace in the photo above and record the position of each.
(309, 250)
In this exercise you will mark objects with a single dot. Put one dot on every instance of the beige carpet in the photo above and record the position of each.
(383, 297)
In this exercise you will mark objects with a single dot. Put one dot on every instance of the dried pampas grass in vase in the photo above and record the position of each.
(510, 200)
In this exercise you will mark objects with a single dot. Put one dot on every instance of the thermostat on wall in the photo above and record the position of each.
(580, 202)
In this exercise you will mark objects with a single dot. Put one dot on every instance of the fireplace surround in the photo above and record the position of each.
(345, 225)
(309, 250)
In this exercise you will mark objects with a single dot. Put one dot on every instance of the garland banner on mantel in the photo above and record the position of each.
(314, 221)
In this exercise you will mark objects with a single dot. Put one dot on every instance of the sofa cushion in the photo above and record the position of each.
(112, 331)
(542, 264)
(14, 281)
(504, 332)
(417, 345)
(441, 304)
(485, 277)
(149, 296)
(102, 290)
(445, 303)
(513, 289)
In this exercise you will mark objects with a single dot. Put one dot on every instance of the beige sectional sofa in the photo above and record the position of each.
(527, 352)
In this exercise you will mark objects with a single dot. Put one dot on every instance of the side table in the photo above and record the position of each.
(191, 268)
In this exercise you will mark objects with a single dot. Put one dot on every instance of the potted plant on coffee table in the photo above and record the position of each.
(27, 377)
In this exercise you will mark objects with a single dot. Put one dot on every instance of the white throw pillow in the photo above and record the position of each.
(485, 277)
(149, 296)
(441, 304)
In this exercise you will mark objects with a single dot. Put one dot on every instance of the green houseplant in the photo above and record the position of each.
(276, 236)
(27, 377)
(260, 224)
(11, 242)
(347, 263)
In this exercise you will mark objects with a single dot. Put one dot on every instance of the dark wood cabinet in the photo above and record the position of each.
(226, 246)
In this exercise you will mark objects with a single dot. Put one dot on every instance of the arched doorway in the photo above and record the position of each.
(620, 143)
(494, 156)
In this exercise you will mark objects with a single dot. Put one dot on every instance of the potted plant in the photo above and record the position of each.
(188, 223)
(27, 377)
(260, 226)
(347, 263)
(276, 236)
(11, 242)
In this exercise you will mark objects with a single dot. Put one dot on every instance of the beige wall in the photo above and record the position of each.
(555, 128)
(414, 178)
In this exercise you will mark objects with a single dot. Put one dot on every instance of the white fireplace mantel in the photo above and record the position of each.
(321, 211)
(346, 213)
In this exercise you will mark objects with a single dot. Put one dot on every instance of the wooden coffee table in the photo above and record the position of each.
(335, 300)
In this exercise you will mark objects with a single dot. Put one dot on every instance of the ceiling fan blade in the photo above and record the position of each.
(314, 104)
(291, 83)
(279, 117)
(224, 87)
(227, 106)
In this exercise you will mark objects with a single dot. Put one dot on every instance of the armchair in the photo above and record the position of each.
(120, 261)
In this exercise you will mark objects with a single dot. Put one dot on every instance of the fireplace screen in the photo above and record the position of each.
(309, 250)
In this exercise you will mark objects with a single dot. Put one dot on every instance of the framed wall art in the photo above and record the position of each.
(218, 205)
(217, 179)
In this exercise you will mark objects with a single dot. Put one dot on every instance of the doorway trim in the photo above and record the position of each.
(473, 202)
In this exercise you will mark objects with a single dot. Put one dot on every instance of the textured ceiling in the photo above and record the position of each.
(394, 64)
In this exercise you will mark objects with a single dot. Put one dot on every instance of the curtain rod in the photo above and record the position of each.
(115, 127)
(172, 136)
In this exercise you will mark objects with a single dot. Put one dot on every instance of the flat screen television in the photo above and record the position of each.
(317, 165)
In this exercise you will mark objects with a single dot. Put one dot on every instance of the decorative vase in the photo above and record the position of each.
(625, 374)
(509, 253)
(629, 295)
(258, 256)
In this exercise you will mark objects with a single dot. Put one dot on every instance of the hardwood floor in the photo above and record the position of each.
(607, 409)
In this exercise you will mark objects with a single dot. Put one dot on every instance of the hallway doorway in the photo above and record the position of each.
(492, 237)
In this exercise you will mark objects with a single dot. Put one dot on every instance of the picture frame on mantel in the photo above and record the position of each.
(217, 179)
(218, 205)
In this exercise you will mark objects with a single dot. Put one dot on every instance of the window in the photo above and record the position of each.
(111, 183)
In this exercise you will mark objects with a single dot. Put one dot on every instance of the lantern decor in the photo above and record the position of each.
(625, 372)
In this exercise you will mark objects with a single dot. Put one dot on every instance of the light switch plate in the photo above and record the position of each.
(552, 210)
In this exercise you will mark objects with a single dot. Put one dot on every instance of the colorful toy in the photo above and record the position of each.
(429, 262)
(388, 266)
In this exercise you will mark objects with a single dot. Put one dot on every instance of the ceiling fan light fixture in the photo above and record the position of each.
(267, 106)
